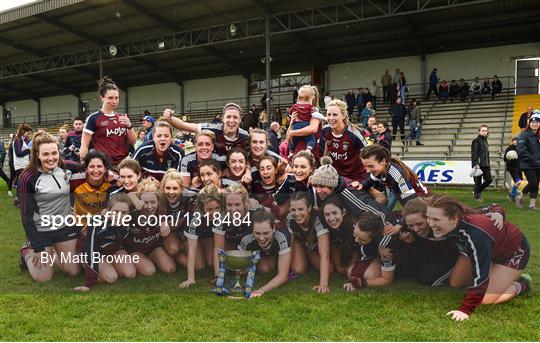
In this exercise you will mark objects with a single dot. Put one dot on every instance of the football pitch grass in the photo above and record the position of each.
(156, 309)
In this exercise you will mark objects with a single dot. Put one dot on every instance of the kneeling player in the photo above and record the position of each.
(274, 246)
(144, 239)
(498, 256)
(108, 240)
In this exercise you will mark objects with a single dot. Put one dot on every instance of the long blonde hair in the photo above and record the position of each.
(343, 108)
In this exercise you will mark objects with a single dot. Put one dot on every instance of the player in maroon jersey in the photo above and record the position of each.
(343, 142)
(498, 256)
(108, 131)
(228, 134)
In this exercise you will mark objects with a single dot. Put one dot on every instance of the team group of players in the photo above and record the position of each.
(328, 206)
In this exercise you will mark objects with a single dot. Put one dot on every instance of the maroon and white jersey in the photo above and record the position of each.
(108, 135)
(223, 143)
(303, 110)
(345, 151)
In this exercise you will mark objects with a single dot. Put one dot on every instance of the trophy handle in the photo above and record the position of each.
(250, 280)
(220, 288)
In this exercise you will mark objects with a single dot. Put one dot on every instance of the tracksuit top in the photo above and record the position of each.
(43, 194)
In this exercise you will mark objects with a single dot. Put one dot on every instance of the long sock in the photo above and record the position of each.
(513, 192)
(521, 286)
(532, 203)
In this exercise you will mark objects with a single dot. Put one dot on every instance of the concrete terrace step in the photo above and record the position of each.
(495, 124)
(470, 136)
(441, 150)
(438, 137)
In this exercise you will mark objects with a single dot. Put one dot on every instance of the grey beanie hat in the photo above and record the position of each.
(325, 175)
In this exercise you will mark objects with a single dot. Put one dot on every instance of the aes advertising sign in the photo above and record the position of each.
(442, 172)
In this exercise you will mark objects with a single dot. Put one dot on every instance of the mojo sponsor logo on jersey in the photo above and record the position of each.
(434, 171)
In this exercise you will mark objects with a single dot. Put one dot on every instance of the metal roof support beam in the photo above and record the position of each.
(26, 94)
(175, 28)
(98, 42)
(56, 84)
(319, 58)
(282, 23)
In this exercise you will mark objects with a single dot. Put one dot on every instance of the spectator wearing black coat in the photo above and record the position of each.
(453, 90)
(433, 80)
(524, 119)
(511, 163)
(480, 160)
(272, 133)
(350, 99)
(463, 89)
(398, 111)
(73, 141)
(384, 137)
(528, 148)
(496, 87)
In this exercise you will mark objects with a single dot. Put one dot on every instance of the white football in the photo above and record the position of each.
(512, 155)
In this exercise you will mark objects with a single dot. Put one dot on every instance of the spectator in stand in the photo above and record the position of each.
(415, 122)
(398, 113)
(402, 86)
(524, 119)
(141, 134)
(396, 77)
(108, 131)
(375, 93)
(263, 121)
(512, 167)
(148, 123)
(475, 88)
(367, 113)
(392, 93)
(371, 130)
(273, 137)
(62, 135)
(443, 90)
(453, 90)
(386, 81)
(463, 89)
(217, 119)
(360, 102)
(486, 86)
(350, 99)
(528, 148)
(278, 116)
(252, 118)
(433, 80)
(327, 99)
(480, 161)
(496, 87)
(73, 141)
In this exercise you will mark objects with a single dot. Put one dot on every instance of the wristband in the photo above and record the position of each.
(130, 127)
